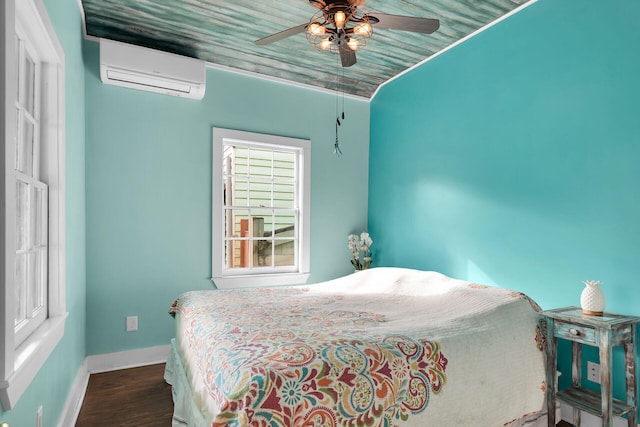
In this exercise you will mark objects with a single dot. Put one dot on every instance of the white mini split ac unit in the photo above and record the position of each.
(123, 64)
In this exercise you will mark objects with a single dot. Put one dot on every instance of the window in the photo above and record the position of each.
(31, 198)
(261, 206)
(33, 261)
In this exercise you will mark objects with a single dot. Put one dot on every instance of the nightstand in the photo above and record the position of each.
(605, 332)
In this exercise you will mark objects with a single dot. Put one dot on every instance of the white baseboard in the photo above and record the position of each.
(127, 359)
(588, 420)
(72, 407)
(103, 363)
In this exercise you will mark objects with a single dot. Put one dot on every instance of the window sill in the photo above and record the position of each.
(260, 280)
(29, 358)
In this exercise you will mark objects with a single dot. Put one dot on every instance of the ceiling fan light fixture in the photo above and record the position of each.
(339, 30)
(316, 29)
(363, 29)
(325, 44)
(339, 18)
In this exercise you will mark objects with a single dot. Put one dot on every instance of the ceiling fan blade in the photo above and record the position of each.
(347, 57)
(281, 35)
(406, 23)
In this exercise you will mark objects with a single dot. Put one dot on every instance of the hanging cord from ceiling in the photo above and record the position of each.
(340, 88)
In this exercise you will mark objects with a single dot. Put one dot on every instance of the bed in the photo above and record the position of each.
(381, 347)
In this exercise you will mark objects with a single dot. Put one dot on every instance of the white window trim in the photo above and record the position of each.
(225, 281)
(20, 365)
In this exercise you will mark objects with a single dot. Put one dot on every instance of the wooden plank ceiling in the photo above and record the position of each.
(223, 32)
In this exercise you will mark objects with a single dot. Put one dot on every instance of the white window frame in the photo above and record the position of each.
(34, 316)
(228, 278)
(21, 362)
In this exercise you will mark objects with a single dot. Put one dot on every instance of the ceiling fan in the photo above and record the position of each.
(340, 27)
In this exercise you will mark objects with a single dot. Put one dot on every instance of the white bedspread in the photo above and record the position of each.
(385, 346)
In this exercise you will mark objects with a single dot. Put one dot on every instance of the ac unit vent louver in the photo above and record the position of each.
(141, 68)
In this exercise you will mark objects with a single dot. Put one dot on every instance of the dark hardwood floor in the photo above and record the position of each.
(136, 397)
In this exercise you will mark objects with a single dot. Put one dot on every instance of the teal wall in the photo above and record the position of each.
(148, 177)
(512, 159)
(53, 383)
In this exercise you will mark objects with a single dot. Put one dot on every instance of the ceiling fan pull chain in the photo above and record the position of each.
(342, 92)
(336, 145)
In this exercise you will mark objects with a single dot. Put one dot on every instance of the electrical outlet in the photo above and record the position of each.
(132, 323)
(593, 372)
(39, 417)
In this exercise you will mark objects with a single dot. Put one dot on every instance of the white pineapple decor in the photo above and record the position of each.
(592, 298)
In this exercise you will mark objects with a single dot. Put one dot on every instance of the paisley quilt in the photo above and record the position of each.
(382, 347)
